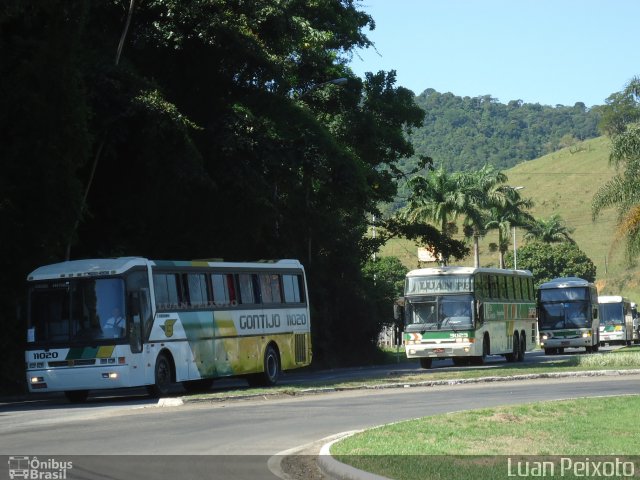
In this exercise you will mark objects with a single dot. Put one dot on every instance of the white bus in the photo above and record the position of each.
(467, 313)
(568, 315)
(616, 320)
(126, 322)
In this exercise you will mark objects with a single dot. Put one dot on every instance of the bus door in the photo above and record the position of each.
(139, 321)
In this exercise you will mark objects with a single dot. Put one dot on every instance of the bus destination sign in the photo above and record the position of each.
(439, 284)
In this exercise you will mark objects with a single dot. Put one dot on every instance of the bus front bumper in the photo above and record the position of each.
(612, 337)
(78, 378)
(439, 351)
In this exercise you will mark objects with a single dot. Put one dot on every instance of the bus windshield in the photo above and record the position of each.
(440, 312)
(564, 308)
(77, 311)
(555, 315)
(611, 314)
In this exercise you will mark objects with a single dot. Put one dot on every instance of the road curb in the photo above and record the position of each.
(334, 469)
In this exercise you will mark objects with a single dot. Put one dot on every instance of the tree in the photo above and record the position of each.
(621, 109)
(551, 230)
(623, 191)
(547, 262)
(482, 189)
(507, 210)
(218, 136)
(437, 197)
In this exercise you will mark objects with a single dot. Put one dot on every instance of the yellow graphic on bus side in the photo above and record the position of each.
(167, 328)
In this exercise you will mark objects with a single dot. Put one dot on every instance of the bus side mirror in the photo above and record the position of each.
(595, 313)
(479, 313)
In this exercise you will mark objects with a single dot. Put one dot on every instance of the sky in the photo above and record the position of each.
(551, 52)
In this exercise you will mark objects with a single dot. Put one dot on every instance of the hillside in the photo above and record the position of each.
(467, 132)
(563, 182)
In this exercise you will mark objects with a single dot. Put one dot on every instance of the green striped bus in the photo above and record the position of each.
(466, 314)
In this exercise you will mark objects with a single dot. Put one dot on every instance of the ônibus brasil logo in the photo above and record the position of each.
(34, 468)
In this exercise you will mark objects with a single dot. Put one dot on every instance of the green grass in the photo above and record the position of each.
(476, 444)
(563, 183)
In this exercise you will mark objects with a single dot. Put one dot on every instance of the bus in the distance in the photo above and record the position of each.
(568, 315)
(466, 313)
(616, 320)
(126, 322)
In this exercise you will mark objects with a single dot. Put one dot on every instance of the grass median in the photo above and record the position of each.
(588, 437)
(525, 440)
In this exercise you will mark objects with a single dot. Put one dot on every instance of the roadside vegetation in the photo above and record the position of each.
(489, 443)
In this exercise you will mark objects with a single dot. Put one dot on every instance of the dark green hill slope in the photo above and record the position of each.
(467, 132)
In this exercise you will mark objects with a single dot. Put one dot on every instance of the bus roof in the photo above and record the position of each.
(463, 270)
(611, 299)
(565, 282)
(115, 266)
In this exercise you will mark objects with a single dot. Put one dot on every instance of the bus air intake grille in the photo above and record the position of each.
(300, 344)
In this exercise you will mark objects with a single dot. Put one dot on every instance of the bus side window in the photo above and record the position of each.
(247, 292)
(198, 292)
(293, 288)
(493, 287)
(224, 289)
(166, 288)
(270, 290)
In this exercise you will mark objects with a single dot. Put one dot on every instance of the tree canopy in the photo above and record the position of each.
(623, 191)
(549, 261)
(185, 130)
(465, 133)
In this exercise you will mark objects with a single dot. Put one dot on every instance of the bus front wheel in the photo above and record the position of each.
(162, 376)
(77, 396)
(198, 386)
(522, 349)
(425, 362)
(486, 351)
(515, 353)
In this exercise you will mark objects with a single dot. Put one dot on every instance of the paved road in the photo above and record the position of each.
(239, 436)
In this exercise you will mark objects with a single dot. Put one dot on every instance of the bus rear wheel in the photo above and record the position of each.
(271, 373)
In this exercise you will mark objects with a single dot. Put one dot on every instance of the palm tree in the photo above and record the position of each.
(623, 191)
(551, 230)
(482, 189)
(435, 198)
(509, 210)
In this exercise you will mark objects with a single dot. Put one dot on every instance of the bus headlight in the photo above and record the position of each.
(37, 379)
(545, 337)
(110, 375)
(586, 334)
